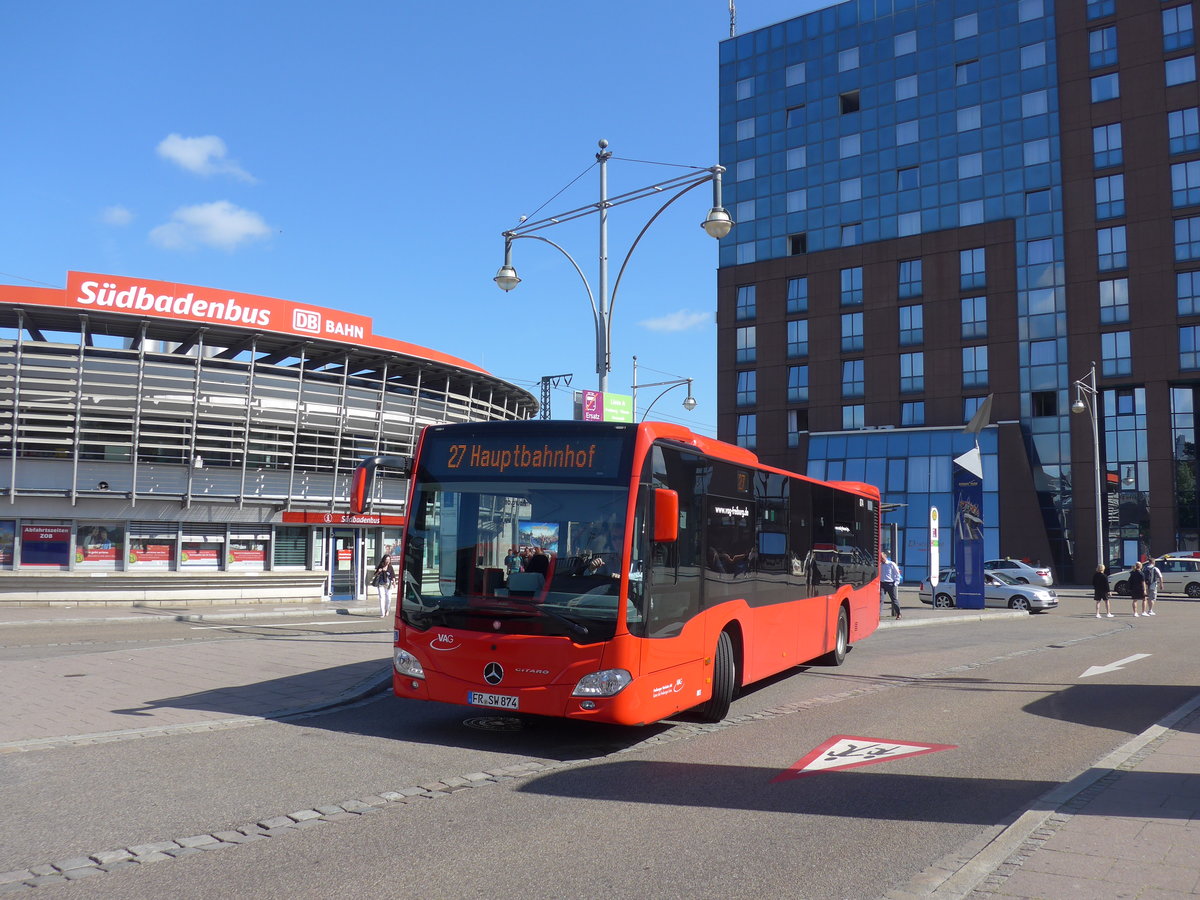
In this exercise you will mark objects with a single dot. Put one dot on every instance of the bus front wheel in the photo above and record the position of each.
(724, 674)
(837, 655)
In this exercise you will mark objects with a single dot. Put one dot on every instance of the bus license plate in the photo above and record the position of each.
(502, 701)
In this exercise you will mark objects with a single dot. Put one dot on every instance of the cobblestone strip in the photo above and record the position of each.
(79, 867)
(1068, 810)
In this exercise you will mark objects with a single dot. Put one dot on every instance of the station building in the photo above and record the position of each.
(941, 200)
(166, 443)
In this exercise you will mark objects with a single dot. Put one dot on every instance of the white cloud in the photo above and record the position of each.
(219, 224)
(683, 320)
(116, 215)
(201, 155)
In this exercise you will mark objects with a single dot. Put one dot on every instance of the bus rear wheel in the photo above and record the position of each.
(837, 655)
(716, 707)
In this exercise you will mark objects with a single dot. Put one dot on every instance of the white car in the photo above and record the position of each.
(998, 590)
(1022, 572)
(1180, 575)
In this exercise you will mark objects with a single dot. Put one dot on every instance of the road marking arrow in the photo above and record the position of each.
(844, 751)
(1112, 667)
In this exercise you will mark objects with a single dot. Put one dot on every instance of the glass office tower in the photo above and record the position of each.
(930, 201)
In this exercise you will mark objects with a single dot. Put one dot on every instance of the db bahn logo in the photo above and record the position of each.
(306, 320)
(493, 673)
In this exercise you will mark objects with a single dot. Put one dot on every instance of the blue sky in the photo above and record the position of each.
(366, 156)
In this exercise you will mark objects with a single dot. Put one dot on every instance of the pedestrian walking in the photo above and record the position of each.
(383, 579)
(889, 580)
(1100, 590)
(1153, 583)
(1137, 589)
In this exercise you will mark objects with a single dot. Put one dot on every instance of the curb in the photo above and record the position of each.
(954, 619)
(364, 611)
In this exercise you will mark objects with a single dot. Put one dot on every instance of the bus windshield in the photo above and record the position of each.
(510, 558)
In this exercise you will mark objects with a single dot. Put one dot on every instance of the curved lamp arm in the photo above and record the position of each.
(587, 287)
(686, 405)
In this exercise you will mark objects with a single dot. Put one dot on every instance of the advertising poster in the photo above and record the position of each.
(539, 534)
(45, 545)
(146, 555)
(8, 537)
(968, 535)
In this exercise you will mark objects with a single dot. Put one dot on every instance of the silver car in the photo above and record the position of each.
(998, 590)
(1022, 572)
(1180, 575)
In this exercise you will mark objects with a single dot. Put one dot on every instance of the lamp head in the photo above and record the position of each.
(718, 223)
(1078, 406)
(689, 402)
(506, 278)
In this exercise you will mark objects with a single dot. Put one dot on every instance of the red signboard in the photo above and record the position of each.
(314, 518)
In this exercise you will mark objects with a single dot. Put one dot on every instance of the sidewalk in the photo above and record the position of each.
(1127, 827)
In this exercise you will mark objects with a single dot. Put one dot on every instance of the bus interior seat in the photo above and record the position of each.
(525, 584)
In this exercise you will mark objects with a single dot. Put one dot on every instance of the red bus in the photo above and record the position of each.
(621, 573)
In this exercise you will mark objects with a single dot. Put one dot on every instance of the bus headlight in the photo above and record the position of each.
(605, 683)
(407, 664)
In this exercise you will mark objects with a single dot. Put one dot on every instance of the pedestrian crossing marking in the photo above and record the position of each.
(846, 751)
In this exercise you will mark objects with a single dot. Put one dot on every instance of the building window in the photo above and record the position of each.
(1033, 55)
(850, 190)
(912, 325)
(1106, 145)
(745, 89)
(747, 388)
(912, 372)
(797, 201)
(746, 252)
(1098, 9)
(850, 145)
(793, 75)
(910, 278)
(852, 286)
(912, 413)
(1187, 238)
(746, 305)
(1102, 47)
(797, 157)
(908, 223)
(853, 383)
(1036, 152)
(966, 72)
(1043, 353)
(797, 339)
(1187, 293)
(1106, 87)
(970, 213)
(970, 166)
(906, 88)
(966, 26)
(747, 431)
(1177, 28)
(1114, 349)
(1185, 183)
(1044, 403)
(848, 59)
(1037, 202)
(1110, 196)
(745, 211)
(797, 295)
(745, 129)
(849, 102)
(1110, 248)
(1189, 347)
(975, 366)
(797, 244)
(852, 331)
(904, 43)
(1114, 301)
(797, 422)
(971, 406)
(968, 118)
(853, 417)
(852, 234)
(907, 132)
(1028, 10)
(974, 317)
(746, 350)
(1183, 126)
(1181, 71)
(795, 116)
(971, 268)
(745, 170)
(797, 386)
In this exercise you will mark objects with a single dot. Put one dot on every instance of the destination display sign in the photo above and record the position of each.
(584, 456)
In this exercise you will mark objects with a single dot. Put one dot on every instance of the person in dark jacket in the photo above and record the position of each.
(1137, 588)
(1100, 589)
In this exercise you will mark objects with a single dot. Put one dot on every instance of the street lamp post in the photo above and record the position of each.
(689, 402)
(716, 224)
(1086, 396)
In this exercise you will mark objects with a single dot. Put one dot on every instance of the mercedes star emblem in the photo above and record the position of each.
(493, 673)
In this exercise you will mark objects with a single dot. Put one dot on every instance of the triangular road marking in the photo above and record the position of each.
(845, 751)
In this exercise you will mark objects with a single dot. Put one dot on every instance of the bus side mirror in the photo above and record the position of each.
(666, 516)
(362, 483)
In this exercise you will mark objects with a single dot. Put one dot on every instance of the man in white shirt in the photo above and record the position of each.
(889, 580)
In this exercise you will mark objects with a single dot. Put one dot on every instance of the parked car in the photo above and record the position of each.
(1180, 575)
(1022, 572)
(998, 590)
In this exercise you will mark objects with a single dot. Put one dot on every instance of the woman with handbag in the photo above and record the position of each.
(383, 579)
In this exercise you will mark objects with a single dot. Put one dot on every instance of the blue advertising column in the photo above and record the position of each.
(968, 530)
